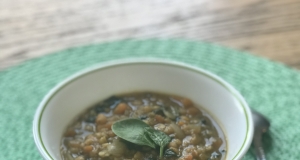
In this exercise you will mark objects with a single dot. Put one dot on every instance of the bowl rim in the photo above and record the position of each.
(127, 61)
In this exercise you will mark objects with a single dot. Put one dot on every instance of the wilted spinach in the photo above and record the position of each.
(170, 153)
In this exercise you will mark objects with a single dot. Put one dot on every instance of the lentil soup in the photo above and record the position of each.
(193, 133)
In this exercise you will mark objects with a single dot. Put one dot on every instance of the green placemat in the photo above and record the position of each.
(270, 88)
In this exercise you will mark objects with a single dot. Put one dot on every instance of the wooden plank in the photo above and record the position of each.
(281, 46)
(266, 28)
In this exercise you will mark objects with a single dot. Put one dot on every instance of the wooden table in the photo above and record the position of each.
(32, 28)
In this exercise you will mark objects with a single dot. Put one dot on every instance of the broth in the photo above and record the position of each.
(194, 134)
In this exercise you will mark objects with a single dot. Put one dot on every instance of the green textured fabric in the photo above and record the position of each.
(271, 88)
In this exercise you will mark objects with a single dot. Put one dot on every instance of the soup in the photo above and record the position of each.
(189, 132)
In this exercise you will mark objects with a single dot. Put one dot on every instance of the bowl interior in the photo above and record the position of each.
(77, 93)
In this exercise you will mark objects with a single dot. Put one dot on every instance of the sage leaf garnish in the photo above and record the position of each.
(138, 132)
(159, 138)
(132, 130)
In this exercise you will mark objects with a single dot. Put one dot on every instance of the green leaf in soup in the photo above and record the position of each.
(170, 153)
(132, 130)
(159, 138)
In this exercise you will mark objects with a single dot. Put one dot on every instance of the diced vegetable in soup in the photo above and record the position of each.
(143, 126)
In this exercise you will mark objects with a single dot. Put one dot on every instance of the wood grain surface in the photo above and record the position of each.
(32, 28)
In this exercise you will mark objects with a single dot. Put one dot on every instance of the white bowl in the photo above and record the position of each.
(84, 89)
